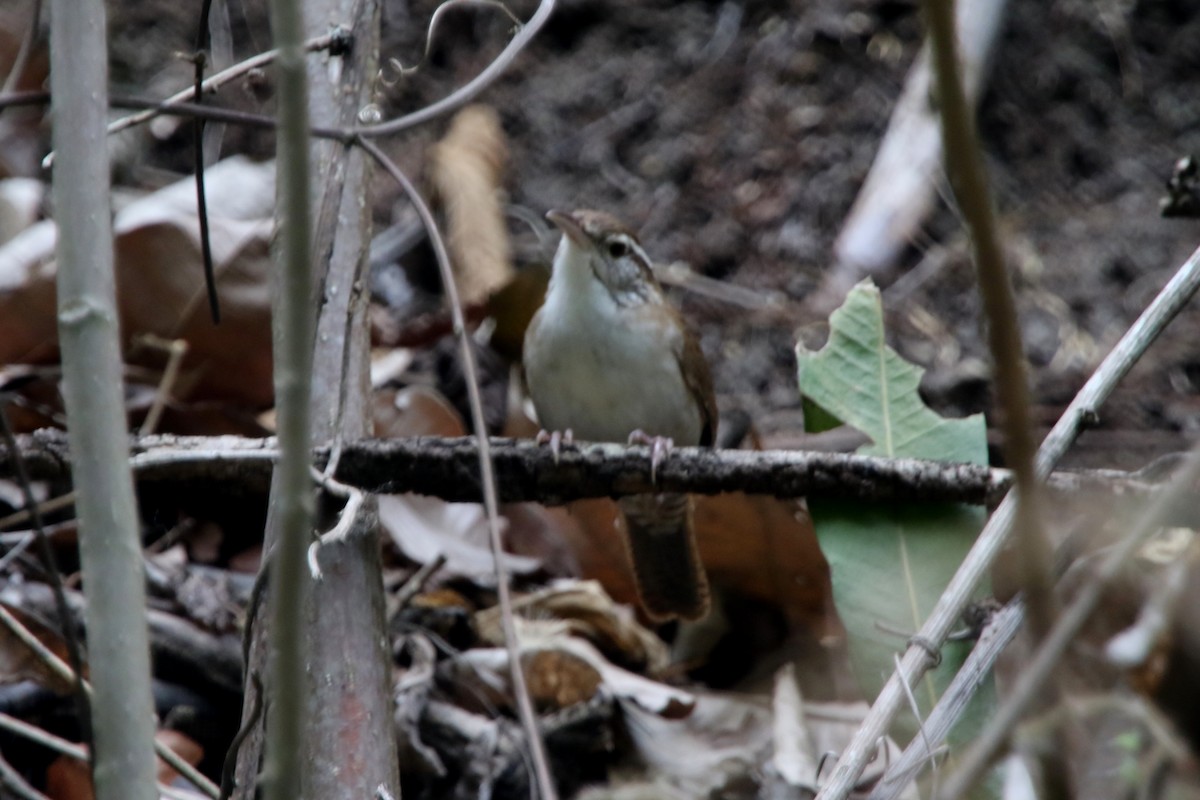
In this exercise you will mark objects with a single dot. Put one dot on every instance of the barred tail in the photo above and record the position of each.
(666, 563)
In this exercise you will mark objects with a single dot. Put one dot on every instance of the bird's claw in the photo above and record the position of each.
(557, 441)
(660, 448)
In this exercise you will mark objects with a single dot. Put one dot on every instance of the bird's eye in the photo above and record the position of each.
(618, 248)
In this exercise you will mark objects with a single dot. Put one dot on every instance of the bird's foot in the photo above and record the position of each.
(660, 447)
(557, 441)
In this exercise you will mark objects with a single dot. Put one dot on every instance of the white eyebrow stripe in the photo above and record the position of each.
(637, 248)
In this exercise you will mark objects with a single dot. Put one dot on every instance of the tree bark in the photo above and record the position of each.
(350, 746)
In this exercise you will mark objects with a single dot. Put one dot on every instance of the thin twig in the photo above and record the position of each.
(50, 565)
(229, 768)
(1174, 296)
(995, 637)
(155, 108)
(12, 780)
(175, 349)
(59, 744)
(1036, 672)
(476, 85)
(199, 62)
(176, 107)
(44, 507)
(437, 18)
(44, 738)
(64, 673)
(25, 51)
(545, 780)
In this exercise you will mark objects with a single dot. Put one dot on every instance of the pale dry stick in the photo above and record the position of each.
(210, 85)
(792, 768)
(17, 786)
(950, 605)
(464, 95)
(63, 672)
(176, 349)
(26, 50)
(44, 738)
(545, 780)
(44, 507)
(914, 708)
(970, 676)
(900, 190)
(1036, 672)
(48, 740)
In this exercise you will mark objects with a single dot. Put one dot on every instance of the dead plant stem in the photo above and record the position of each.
(541, 765)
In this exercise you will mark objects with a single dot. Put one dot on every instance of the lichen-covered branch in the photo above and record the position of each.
(525, 471)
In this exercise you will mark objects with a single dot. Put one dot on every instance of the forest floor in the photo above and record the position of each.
(735, 137)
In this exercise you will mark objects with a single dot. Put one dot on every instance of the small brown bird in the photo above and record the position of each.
(609, 360)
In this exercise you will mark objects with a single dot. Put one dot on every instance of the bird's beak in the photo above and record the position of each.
(570, 227)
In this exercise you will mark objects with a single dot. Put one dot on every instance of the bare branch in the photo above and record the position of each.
(467, 93)
(525, 471)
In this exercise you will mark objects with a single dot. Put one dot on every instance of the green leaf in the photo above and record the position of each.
(859, 380)
(890, 562)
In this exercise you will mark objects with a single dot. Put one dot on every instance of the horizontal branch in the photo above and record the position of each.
(526, 471)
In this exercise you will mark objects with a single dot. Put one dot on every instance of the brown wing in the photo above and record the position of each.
(698, 380)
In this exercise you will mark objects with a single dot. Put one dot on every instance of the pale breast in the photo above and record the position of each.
(605, 380)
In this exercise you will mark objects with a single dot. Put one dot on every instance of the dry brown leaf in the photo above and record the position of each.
(161, 284)
(539, 532)
(512, 307)
(757, 546)
(531, 531)
(414, 411)
(589, 613)
(558, 679)
(491, 664)
(69, 778)
(765, 548)
(466, 169)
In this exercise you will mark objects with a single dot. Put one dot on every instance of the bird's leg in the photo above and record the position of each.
(557, 441)
(660, 447)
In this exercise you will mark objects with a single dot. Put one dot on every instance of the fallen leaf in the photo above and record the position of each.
(422, 528)
(589, 613)
(161, 286)
(466, 169)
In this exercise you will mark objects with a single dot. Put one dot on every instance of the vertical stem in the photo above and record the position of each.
(293, 329)
(110, 548)
(964, 164)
